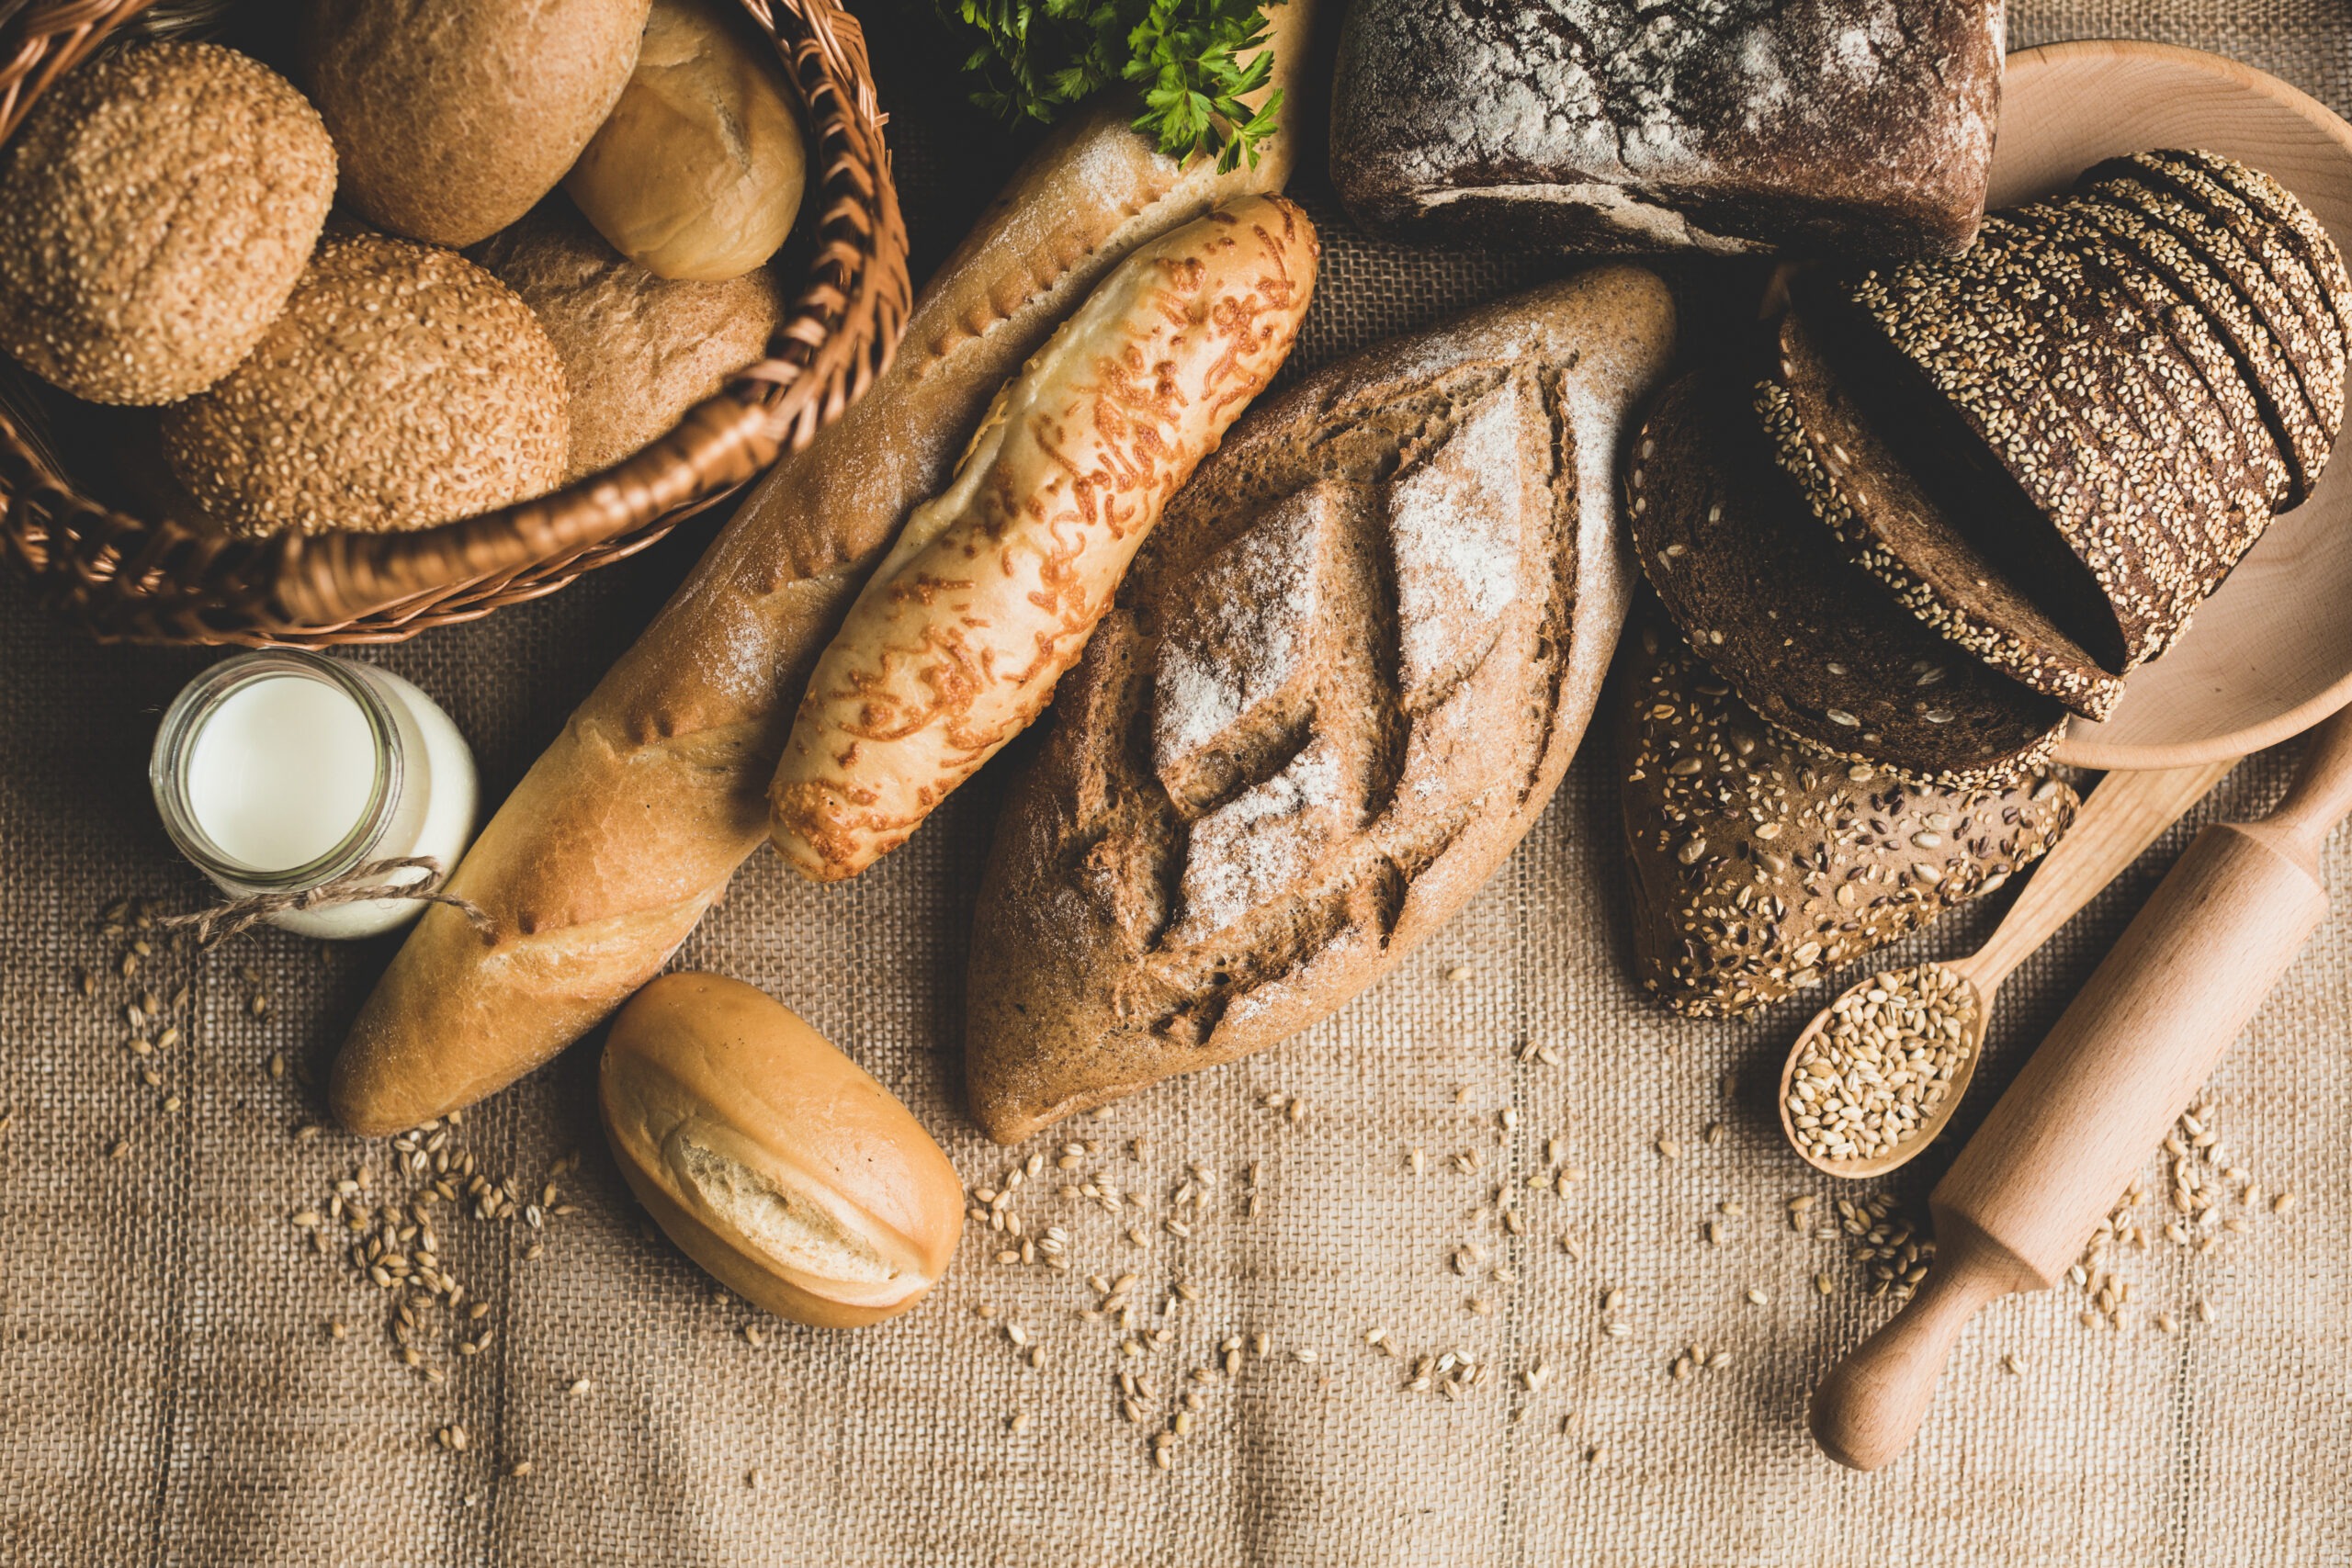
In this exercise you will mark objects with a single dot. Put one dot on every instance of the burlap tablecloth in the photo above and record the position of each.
(171, 1390)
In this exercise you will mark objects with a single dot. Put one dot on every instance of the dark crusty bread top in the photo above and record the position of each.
(1902, 535)
(1835, 126)
(1806, 637)
(1344, 676)
(1757, 867)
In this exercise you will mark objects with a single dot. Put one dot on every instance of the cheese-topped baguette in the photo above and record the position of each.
(993, 587)
(619, 837)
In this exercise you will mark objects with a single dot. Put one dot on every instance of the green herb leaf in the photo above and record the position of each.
(1034, 57)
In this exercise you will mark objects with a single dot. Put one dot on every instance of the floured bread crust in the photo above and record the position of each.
(1863, 126)
(1340, 683)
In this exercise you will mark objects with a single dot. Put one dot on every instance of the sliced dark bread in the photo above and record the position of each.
(1981, 338)
(1806, 637)
(1896, 531)
(1856, 322)
(2299, 224)
(2263, 367)
(2244, 443)
(2283, 261)
(2279, 316)
(1757, 866)
(2087, 334)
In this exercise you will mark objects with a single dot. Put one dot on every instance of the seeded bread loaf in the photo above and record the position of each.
(1897, 531)
(1343, 677)
(1758, 867)
(1837, 125)
(612, 846)
(1806, 637)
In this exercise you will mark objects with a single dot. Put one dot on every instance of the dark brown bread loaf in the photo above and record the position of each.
(1601, 126)
(1757, 867)
(1342, 678)
(1894, 529)
(1805, 635)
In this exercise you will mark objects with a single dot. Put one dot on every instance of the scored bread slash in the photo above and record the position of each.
(2249, 446)
(1724, 821)
(2281, 261)
(2117, 364)
(2297, 223)
(1805, 637)
(2278, 316)
(2262, 369)
(1896, 531)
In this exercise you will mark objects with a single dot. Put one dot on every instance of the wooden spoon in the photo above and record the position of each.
(2129, 1051)
(2124, 815)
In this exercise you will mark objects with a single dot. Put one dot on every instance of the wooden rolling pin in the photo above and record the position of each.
(2019, 1205)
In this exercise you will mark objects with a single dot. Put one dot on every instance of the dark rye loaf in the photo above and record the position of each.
(1342, 678)
(1758, 867)
(1848, 126)
(1805, 635)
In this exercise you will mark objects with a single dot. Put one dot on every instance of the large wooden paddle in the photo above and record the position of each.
(2025, 1195)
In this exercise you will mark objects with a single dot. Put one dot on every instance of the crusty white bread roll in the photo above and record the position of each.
(957, 641)
(771, 1159)
(622, 833)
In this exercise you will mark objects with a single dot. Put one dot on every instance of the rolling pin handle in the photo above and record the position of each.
(2318, 799)
(1864, 1414)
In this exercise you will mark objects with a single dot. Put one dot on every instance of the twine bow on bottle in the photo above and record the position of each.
(360, 884)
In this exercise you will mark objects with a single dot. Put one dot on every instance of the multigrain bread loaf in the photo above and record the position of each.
(773, 1159)
(621, 835)
(1807, 638)
(156, 208)
(1342, 680)
(993, 586)
(639, 351)
(1837, 126)
(1758, 867)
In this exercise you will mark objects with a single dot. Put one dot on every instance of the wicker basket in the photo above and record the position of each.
(154, 579)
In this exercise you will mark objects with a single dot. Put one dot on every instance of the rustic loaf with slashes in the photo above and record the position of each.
(1339, 685)
(1759, 866)
(1844, 126)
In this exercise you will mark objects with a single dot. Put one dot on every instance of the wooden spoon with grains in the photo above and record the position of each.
(1877, 1074)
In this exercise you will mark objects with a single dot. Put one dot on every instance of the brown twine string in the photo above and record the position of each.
(241, 915)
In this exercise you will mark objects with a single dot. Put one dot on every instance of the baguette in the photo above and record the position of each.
(989, 594)
(619, 837)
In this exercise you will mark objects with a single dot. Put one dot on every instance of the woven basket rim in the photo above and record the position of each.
(125, 576)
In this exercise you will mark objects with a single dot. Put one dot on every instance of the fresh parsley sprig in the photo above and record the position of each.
(1035, 57)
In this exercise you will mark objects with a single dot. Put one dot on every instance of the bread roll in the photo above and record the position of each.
(453, 118)
(403, 386)
(772, 1159)
(697, 173)
(620, 836)
(155, 208)
(993, 587)
(639, 351)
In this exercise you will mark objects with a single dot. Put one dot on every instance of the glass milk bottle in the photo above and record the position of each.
(279, 772)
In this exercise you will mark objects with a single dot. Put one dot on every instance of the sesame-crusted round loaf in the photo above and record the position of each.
(1758, 867)
(403, 386)
(639, 350)
(155, 208)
